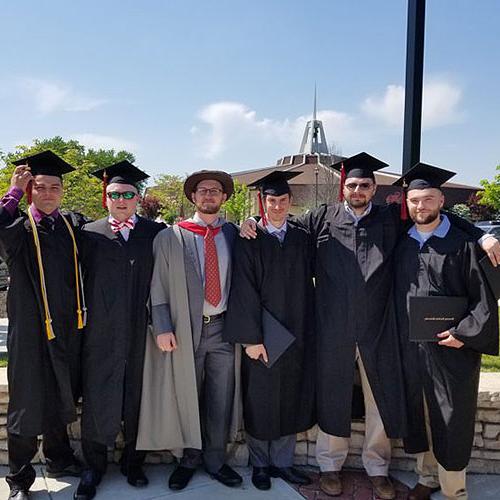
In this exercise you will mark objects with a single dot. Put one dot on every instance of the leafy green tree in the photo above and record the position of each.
(82, 192)
(462, 210)
(238, 206)
(169, 190)
(490, 196)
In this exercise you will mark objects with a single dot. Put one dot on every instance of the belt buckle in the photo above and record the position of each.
(206, 319)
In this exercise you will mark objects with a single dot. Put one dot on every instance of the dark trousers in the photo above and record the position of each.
(22, 449)
(96, 456)
(214, 366)
(278, 452)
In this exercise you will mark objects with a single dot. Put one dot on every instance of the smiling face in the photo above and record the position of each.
(359, 191)
(277, 208)
(121, 209)
(208, 197)
(424, 205)
(47, 192)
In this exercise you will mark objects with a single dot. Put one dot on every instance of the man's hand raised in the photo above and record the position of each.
(21, 177)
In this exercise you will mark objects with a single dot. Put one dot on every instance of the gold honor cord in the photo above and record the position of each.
(81, 318)
(48, 319)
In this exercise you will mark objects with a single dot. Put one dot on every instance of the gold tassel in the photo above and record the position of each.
(80, 319)
(48, 328)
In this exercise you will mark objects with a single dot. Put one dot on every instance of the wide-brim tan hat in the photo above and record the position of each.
(214, 175)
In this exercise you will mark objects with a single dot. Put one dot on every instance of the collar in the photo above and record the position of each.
(198, 220)
(356, 217)
(38, 215)
(133, 217)
(440, 232)
(273, 229)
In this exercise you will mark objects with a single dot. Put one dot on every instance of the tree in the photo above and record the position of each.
(82, 192)
(150, 206)
(491, 194)
(169, 190)
(238, 206)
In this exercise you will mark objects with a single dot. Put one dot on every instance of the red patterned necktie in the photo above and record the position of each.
(116, 225)
(212, 276)
(213, 293)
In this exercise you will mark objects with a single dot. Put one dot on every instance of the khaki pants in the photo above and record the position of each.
(432, 474)
(331, 451)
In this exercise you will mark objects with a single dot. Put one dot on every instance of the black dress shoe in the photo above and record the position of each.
(87, 488)
(290, 475)
(72, 469)
(180, 477)
(16, 494)
(261, 478)
(135, 476)
(227, 476)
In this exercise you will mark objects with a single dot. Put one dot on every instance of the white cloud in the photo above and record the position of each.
(49, 96)
(441, 100)
(96, 141)
(228, 127)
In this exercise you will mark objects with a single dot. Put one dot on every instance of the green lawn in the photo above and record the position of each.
(3, 360)
(490, 363)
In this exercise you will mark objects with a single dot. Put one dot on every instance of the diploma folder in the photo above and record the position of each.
(492, 275)
(277, 338)
(435, 314)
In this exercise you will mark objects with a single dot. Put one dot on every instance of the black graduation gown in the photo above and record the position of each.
(449, 377)
(277, 401)
(118, 276)
(353, 287)
(43, 375)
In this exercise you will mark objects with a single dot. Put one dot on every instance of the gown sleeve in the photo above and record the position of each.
(243, 321)
(479, 329)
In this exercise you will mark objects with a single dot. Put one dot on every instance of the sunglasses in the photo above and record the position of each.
(126, 195)
(363, 186)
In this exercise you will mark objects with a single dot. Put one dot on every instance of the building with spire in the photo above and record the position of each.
(319, 182)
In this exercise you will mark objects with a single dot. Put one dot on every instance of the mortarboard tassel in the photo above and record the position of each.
(342, 182)
(29, 194)
(104, 186)
(404, 211)
(261, 210)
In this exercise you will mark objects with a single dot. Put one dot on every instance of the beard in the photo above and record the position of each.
(358, 203)
(426, 218)
(208, 208)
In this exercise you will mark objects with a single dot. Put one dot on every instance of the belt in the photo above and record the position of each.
(214, 317)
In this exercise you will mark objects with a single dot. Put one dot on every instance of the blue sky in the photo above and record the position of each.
(229, 84)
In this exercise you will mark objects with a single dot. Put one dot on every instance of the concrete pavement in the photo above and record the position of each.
(114, 486)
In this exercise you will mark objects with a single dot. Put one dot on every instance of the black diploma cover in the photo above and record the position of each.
(277, 338)
(435, 314)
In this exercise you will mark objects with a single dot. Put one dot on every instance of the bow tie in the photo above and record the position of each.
(116, 225)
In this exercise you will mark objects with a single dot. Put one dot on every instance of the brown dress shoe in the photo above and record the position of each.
(330, 483)
(383, 487)
(421, 492)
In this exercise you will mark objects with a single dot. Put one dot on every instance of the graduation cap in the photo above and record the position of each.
(122, 172)
(424, 176)
(274, 184)
(421, 176)
(44, 163)
(361, 165)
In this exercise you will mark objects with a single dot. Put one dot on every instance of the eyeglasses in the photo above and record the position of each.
(363, 186)
(126, 195)
(211, 192)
